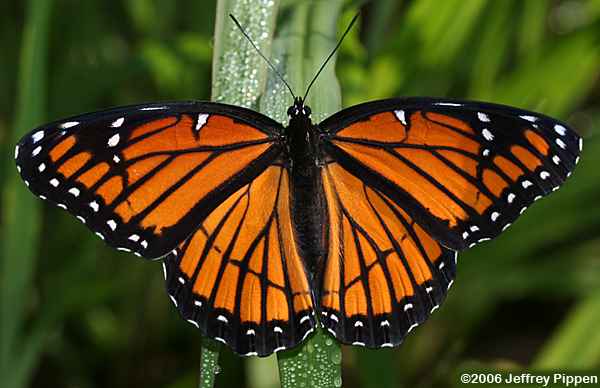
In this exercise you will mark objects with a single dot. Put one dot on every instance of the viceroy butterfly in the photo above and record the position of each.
(266, 231)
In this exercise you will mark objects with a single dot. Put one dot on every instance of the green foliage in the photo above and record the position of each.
(74, 313)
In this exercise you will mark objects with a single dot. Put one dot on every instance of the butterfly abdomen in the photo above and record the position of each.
(307, 192)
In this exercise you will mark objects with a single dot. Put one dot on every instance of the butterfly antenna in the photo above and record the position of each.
(262, 55)
(331, 55)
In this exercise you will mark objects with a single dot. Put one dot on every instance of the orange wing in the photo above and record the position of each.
(464, 170)
(141, 177)
(239, 278)
(384, 274)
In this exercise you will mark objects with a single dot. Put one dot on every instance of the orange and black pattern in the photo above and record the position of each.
(384, 274)
(464, 170)
(240, 277)
(140, 177)
(226, 197)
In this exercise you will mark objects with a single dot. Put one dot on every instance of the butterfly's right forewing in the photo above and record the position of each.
(143, 177)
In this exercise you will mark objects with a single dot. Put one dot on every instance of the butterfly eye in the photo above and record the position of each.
(307, 111)
(290, 111)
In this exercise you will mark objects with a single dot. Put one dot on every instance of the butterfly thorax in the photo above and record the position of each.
(307, 194)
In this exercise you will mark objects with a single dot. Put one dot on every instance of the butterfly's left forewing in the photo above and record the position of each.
(142, 177)
(464, 170)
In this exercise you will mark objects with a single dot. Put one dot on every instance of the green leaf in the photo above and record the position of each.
(21, 211)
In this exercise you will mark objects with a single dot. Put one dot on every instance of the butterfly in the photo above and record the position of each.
(267, 231)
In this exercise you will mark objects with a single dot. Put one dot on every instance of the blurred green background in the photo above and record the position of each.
(75, 313)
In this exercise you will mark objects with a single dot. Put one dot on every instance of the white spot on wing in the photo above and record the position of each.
(222, 319)
(487, 134)
(41, 167)
(202, 119)
(486, 152)
(16, 151)
(194, 323)
(511, 197)
(556, 159)
(561, 130)
(384, 323)
(69, 124)
(561, 143)
(580, 144)
(278, 329)
(114, 140)
(304, 319)
(111, 224)
(154, 108)
(94, 205)
(116, 159)
(36, 151)
(39, 135)
(134, 237)
(495, 216)
(532, 119)
(54, 182)
(544, 174)
(408, 306)
(306, 334)
(400, 116)
(526, 184)
(358, 324)
(358, 343)
(483, 117)
(448, 104)
(74, 191)
(144, 244)
(465, 235)
(118, 122)
(474, 228)
(181, 280)
(250, 332)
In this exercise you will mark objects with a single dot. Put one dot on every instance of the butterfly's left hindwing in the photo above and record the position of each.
(384, 274)
(141, 177)
(464, 170)
(240, 277)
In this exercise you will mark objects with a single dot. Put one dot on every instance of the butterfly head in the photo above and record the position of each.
(299, 109)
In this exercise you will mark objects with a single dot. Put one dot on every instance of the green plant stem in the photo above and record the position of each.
(21, 211)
